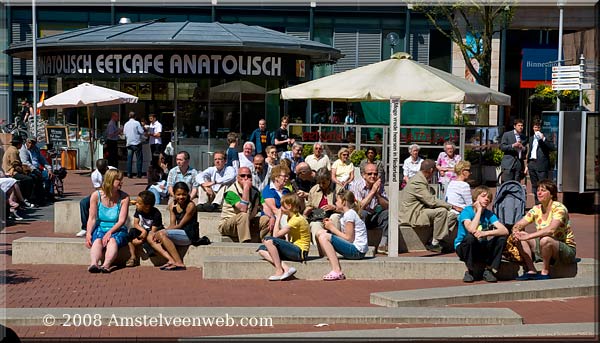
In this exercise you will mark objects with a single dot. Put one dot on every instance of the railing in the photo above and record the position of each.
(335, 136)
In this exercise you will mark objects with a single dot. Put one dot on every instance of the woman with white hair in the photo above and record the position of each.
(412, 164)
(342, 170)
(247, 155)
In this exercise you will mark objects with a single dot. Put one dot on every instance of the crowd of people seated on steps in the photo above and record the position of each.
(25, 178)
(287, 202)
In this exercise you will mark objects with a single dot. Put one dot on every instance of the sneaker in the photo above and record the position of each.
(434, 248)
(81, 233)
(16, 216)
(468, 277)
(488, 276)
(28, 204)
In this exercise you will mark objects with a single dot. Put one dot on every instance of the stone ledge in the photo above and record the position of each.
(471, 294)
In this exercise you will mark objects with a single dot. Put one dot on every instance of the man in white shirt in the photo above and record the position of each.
(134, 135)
(84, 205)
(213, 184)
(154, 132)
(317, 159)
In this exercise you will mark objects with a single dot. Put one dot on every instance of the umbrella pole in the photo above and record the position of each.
(91, 139)
(394, 172)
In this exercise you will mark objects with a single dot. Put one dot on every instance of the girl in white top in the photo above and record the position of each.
(350, 241)
(459, 191)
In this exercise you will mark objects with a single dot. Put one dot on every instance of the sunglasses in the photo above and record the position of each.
(371, 174)
(245, 175)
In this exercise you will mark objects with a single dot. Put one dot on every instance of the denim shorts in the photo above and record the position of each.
(179, 237)
(346, 249)
(287, 251)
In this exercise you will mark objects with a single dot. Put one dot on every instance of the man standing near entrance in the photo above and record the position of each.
(134, 135)
(154, 132)
(282, 138)
(513, 145)
(538, 157)
(112, 138)
(261, 138)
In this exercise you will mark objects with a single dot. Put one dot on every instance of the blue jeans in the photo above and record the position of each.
(137, 149)
(287, 250)
(156, 195)
(345, 248)
(84, 211)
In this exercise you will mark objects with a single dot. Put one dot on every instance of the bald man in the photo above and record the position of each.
(240, 217)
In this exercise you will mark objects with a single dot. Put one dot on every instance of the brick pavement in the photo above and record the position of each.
(30, 286)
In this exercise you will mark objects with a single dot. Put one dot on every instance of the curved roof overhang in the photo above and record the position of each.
(187, 35)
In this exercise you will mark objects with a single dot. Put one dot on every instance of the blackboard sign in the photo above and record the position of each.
(58, 136)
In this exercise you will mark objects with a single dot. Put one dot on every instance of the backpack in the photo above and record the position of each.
(509, 204)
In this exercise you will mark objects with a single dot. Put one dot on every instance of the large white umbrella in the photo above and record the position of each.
(87, 94)
(399, 79)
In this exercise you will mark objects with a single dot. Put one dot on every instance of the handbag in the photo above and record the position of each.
(511, 252)
(318, 214)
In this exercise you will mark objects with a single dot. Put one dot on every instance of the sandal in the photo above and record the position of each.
(175, 268)
(132, 262)
(333, 276)
(94, 269)
(105, 270)
(165, 266)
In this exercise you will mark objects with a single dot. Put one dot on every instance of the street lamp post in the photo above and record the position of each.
(561, 4)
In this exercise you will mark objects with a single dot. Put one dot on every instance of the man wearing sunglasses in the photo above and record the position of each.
(240, 217)
(373, 203)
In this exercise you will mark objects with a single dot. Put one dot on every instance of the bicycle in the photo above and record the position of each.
(16, 128)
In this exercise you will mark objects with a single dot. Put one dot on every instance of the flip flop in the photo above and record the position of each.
(165, 266)
(288, 273)
(175, 268)
(94, 269)
(333, 276)
(105, 270)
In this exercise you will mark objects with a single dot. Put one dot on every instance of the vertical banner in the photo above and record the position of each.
(394, 172)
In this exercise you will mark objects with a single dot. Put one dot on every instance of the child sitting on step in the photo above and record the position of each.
(146, 219)
(276, 247)
(182, 230)
(350, 241)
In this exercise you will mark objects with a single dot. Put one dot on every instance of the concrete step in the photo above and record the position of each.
(377, 268)
(269, 316)
(471, 294)
(58, 250)
(569, 331)
(67, 218)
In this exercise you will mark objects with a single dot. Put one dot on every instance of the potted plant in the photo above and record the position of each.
(491, 161)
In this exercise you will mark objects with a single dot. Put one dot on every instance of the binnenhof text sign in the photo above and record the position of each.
(169, 64)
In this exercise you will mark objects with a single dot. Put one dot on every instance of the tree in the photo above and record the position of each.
(472, 20)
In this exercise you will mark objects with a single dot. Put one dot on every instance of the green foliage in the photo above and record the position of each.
(472, 156)
(357, 156)
(478, 20)
(307, 149)
(553, 159)
(544, 94)
(493, 157)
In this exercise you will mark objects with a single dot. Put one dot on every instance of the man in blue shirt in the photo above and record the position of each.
(480, 238)
(261, 138)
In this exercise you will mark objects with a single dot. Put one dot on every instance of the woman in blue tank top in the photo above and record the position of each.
(106, 231)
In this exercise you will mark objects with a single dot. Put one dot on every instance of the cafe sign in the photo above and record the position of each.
(167, 64)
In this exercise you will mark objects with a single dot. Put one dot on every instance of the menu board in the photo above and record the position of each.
(58, 136)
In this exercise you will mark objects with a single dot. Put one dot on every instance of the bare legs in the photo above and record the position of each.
(324, 239)
(166, 248)
(96, 253)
